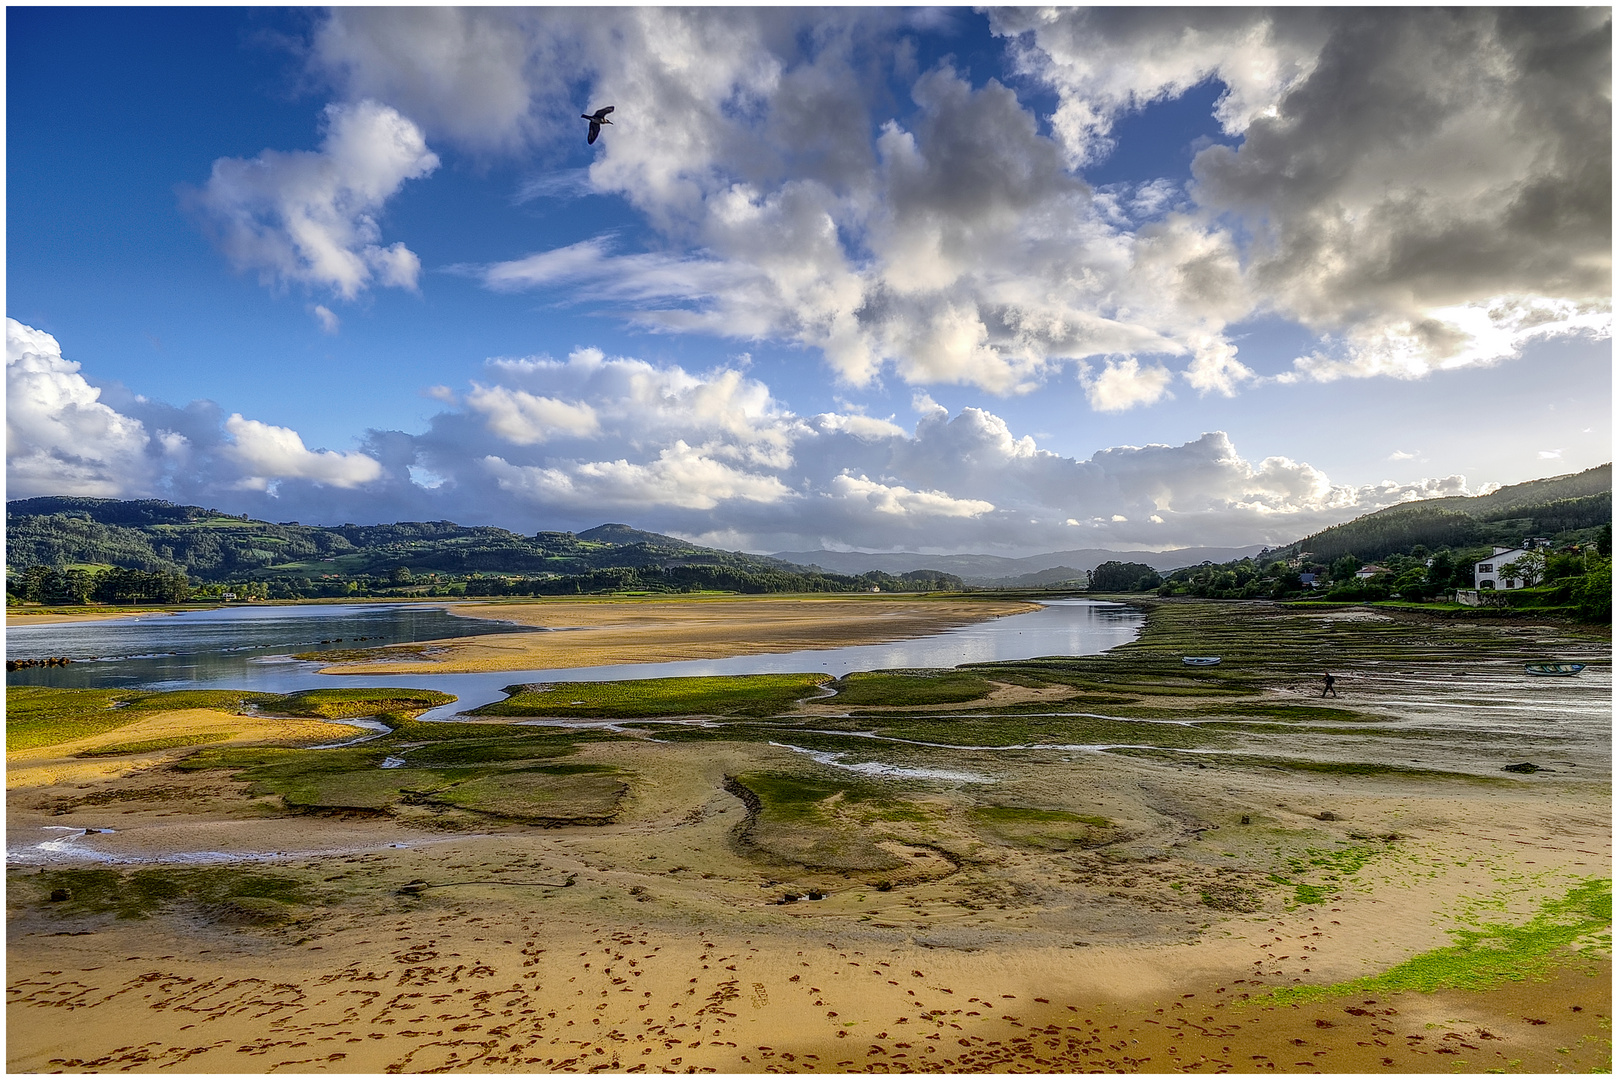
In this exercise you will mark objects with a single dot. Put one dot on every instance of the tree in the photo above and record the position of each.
(1345, 568)
(1529, 566)
(1114, 576)
(1592, 596)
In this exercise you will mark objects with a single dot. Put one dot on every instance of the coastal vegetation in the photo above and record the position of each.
(70, 550)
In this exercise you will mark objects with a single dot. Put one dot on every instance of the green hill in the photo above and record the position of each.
(1564, 509)
(157, 538)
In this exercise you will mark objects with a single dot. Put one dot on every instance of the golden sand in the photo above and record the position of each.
(60, 764)
(597, 632)
(27, 618)
(669, 954)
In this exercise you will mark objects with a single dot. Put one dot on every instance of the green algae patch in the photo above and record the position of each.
(231, 894)
(341, 704)
(901, 688)
(709, 695)
(1049, 830)
(40, 716)
(814, 823)
(1489, 954)
(580, 795)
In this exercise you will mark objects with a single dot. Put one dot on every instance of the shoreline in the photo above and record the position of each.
(615, 631)
(707, 897)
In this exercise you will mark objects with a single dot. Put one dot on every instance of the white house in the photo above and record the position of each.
(1370, 570)
(1486, 574)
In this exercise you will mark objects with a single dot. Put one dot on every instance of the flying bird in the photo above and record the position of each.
(596, 119)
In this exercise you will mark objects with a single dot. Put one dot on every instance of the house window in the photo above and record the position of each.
(1486, 568)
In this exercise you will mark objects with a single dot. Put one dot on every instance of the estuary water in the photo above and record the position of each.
(251, 648)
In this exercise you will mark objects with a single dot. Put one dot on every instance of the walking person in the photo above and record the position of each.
(1331, 685)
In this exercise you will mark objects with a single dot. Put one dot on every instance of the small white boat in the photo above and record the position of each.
(1199, 661)
(1553, 669)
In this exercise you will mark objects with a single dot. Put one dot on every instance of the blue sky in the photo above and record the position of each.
(878, 278)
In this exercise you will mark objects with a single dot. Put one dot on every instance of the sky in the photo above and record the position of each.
(926, 279)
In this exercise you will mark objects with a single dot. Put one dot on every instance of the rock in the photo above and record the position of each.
(1327, 815)
(1246, 820)
(58, 895)
(1521, 767)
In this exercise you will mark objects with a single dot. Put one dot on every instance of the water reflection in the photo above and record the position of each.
(247, 649)
(224, 647)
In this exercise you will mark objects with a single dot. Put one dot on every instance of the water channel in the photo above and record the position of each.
(251, 648)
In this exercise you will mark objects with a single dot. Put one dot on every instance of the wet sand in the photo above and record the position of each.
(598, 632)
(422, 941)
(669, 952)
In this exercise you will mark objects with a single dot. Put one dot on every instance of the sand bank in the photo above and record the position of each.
(597, 632)
(24, 618)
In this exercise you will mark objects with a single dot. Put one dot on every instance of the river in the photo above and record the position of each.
(250, 648)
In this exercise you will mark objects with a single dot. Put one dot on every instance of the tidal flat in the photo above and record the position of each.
(1108, 862)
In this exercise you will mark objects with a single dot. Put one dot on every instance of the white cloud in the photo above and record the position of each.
(328, 320)
(311, 216)
(1402, 455)
(1124, 384)
(681, 477)
(898, 500)
(543, 443)
(61, 439)
(526, 419)
(268, 453)
(957, 243)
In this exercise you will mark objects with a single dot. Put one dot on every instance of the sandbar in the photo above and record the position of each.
(24, 618)
(619, 631)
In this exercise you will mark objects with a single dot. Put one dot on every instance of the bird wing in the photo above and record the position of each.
(603, 112)
(595, 129)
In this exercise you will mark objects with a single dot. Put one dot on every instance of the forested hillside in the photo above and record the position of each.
(1567, 509)
(62, 546)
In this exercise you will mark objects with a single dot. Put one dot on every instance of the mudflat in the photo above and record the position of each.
(1143, 868)
(657, 630)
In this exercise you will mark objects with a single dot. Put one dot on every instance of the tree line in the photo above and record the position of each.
(115, 585)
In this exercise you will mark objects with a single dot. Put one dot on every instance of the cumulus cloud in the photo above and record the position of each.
(1428, 189)
(61, 439)
(1416, 187)
(311, 216)
(952, 246)
(269, 453)
(1123, 384)
(525, 419)
(540, 443)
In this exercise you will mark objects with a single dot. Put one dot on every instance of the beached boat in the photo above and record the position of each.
(1553, 669)
(1199, 661)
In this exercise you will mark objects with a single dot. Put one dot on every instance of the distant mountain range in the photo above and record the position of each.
(1032, 570)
